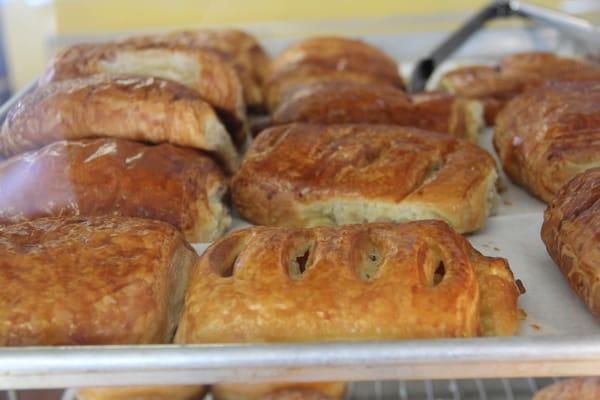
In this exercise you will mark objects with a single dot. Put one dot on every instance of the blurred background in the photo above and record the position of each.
(32, 30)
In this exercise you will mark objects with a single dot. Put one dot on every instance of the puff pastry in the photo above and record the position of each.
(496, 85)
(308, 175)
(239, 48)
(146, 109)
(204, 71)
(571, 230)
(329, 58)
(117, 177)
(184, 392)
(351, 102)
(548, 135)
(571, 389)
(128, 277)
(280, 391)
(356, 282)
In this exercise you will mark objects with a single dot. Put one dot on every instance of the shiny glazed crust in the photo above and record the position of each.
(356, 282)
(495, 86)
(191, 392)
(571, 231)
(571, 389)
(546, 136)
(117, 177)
(239, 48)
(84, 281)
(330, 102)
(146, 109)
(307, 175)
(329, 58)
(279, 391)
(204, 71)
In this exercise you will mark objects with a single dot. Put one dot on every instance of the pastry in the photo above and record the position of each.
(306, 175)
(146, 109)
(496, 85)
(571, 389)
(239, 48)
(546, 136)
(190, 392)
(86, 281)
(329, 58)
(330, 102)
(204, 71)
(384, 281)
(279, 391)
(571, 230)
(117, 177)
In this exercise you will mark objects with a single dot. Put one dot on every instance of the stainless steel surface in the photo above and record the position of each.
(407, 360)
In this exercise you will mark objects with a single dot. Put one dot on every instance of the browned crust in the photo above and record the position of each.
(211, 76)
(571, 389)
(251, 274)
(548, 135)
(188, 392)
(329, 58)
(84, 281)
(298, 174)
(114, 177)
(571, 232)
(515, 74)
(146, 109)
(335, 102)
(280, 391)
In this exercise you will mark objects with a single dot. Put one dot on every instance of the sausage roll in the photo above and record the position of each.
(85, 281)
(239, 48)
(146, 109)
(118, 177)
(204, 71)
(330, 102)
(548, 135)
(571, 230)
(184, 392)
(571, 389)
(307, 175)
(495, 86)
(382, 281)
(329, 58)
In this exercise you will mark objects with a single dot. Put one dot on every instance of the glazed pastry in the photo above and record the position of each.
(496, 85)
(548, 135)
(189, 392)
(571, 389)
(86, 281)
(117, 177)
(331, 102)
(329, 58)
(306, 175)
(146, 109)
(239, 48)
(571, 230)
(213, 78)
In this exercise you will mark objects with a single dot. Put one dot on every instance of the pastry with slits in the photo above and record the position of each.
(306, 175)
(547, 136)
(383, 281)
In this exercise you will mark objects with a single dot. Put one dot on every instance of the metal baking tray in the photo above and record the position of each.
(559, 337)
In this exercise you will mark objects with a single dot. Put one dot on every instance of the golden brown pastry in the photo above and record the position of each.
(279, 391)
(117, 177)
(329, 58)
(237, 47)
(187, 392)
(204, 71)
(548, 135)
(85, 281)
(330, 102)
(307, 175)
(417, 280)
(145, 109)
(495, 86)
(571, 389)
(571, 230)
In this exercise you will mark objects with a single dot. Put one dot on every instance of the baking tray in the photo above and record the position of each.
(559, 337)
